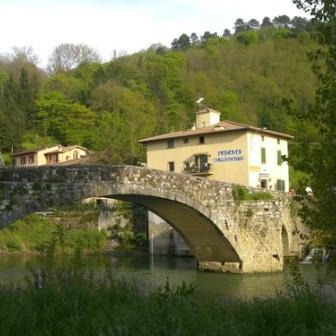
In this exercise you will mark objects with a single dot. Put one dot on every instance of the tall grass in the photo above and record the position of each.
(34, 234)
(67, 299)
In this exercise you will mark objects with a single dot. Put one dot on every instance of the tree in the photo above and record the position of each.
(227, 34)
(69, 123)
(281, 21)
(266, 22)
(194, 38)
(207, 35)
(300, 24)
(253, 24)
(322, 212)
(184, 41)
(67, 56)
(12, 120)
(239, 26)
(248, 37)
(24, 55)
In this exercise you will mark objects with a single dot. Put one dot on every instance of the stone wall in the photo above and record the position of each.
(240, 236)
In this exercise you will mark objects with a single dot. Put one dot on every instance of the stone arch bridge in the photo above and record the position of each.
(223, 234)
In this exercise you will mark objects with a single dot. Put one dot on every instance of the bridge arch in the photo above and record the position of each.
(203, 237)
(183, 201)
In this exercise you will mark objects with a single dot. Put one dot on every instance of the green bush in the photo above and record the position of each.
(38, 234)
(241, 193)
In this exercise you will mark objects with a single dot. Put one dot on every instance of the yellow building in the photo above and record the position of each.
(54, 154)
(225, 151)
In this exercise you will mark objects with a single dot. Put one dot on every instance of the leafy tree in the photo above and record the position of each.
(182, 42)
(253, 24)
(12, 119)
(248, 37)
(240, 26)
(324, 114)
(158, 48)
(67, 56)
(28, 91)
(300, 24)
(121, 122)
(281, 21)
(266, 22)
(24, 55)
(194, 39)
(69, 123)
(207, 35)
(227, 34)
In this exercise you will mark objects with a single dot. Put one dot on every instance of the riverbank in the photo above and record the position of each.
(36, 234)
(70, 300)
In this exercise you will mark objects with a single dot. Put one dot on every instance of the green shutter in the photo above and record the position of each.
(263, 155)
(279, 158)
(280, 185)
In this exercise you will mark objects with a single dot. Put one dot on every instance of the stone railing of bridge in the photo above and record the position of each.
(223, 234)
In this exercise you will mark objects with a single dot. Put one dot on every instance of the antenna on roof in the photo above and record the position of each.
(199, 103)
(199, 100)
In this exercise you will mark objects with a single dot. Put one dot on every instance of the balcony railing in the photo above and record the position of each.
(203, 169)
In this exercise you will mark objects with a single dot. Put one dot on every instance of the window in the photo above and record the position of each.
(23, 160)
(170, 143)
(263, 155)
(75, 155)
(186, 140)
(52, 158)
(280, 185)
(278, 141)
(201, 139)
(263, 184)
(279, 157)
(262, 138)
(31, 159)
(171, 166)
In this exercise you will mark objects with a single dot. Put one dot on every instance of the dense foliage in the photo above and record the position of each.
(321, 207)
(260, 75)
(36, 234)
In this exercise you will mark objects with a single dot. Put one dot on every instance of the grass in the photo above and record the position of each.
(35, 234)
(240, 193)
(67, 299)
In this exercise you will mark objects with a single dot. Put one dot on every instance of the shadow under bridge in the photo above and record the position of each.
(202, 236)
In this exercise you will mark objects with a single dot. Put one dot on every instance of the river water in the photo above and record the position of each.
(148, 273)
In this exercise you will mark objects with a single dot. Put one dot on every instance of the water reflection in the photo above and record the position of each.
(148, 273)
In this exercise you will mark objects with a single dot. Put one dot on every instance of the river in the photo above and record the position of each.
(148, 273)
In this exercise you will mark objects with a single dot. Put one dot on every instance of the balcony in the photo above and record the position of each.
(204, 169)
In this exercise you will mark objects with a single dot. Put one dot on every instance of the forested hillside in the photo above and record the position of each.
(260, 74)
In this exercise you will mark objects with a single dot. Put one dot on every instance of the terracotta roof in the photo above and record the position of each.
(35, 150)
(63, 149)
(86, 160)
(221, 127)
(60, 149)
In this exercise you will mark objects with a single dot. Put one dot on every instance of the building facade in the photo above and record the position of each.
(54, 154)
(220, 150)
(224, 151)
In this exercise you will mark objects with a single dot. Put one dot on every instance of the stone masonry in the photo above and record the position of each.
(223, 235)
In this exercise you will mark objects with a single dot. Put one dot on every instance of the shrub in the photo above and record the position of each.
(241, 193)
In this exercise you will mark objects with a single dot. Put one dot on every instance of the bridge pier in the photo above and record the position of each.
(223, 234)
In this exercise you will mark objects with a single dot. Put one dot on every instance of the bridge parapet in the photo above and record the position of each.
(204, 212)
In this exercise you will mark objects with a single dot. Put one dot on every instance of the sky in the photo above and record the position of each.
(125, 26)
